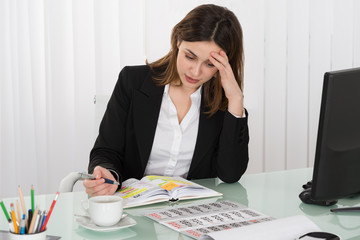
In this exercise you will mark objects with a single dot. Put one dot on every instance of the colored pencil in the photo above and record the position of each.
(23, 207)
(50, 211)
(18, 210)
(32, 224)
(32, 198)
(5, 211)
(13, 218)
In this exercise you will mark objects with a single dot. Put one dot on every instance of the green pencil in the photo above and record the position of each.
(5, 211)
(32, 198)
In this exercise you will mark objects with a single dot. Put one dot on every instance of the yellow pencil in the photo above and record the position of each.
(13, 218)
(23, 207)
(31, 227)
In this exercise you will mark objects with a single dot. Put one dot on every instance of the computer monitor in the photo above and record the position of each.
(337, 158)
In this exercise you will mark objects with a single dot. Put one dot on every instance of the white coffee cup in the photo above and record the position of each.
(105, 211)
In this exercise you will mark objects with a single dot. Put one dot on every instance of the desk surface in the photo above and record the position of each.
(274, 194)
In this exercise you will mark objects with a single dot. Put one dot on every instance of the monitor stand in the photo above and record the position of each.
(305, 197)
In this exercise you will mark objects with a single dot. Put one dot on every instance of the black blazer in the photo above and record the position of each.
(128, 127)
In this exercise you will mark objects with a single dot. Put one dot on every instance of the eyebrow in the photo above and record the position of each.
(191, 52)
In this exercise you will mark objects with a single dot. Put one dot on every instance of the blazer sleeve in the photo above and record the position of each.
(233, 154)
(108, 150)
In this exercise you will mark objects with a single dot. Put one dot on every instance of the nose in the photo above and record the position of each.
(196, 70)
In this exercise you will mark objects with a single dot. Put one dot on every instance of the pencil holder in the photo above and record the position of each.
(33, 236)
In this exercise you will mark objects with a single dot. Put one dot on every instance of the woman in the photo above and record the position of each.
(182, 115)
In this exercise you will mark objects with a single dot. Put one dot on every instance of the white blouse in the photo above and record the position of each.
(174, 143)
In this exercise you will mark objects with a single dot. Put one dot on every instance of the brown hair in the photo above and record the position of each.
(205, 23)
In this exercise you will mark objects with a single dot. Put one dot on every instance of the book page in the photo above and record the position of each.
(153, 189)
(167, 183)
(180, 188)
(135, 193)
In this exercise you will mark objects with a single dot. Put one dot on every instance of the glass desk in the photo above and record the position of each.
(274, 194)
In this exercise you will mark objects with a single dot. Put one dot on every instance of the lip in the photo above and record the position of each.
(191, 80)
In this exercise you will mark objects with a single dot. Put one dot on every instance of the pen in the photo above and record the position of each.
(22, 225)
(5, 211)
(90, 176)
(50, 211)
(13, 218)
(43, 220)
(37, 219)
(28, 222)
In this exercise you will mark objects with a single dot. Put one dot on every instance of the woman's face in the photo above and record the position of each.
(193, 64)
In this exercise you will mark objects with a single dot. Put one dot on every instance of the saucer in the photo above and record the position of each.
(87, 223)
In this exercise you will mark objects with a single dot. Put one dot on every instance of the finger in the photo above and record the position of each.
(98, 172)
(217, 64)
(107, 190)
(94, 190)
(221, 58)
(102, 172)
(88, 183)
(107, 174)
(223, 54)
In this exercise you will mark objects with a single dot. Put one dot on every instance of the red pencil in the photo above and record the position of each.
(50, 211)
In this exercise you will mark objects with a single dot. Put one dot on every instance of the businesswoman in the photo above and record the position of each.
(181, 115)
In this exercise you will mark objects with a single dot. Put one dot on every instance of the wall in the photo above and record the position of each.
(55, 55)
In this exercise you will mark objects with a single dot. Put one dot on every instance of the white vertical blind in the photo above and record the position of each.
(356, 15)
(55, 55)
(107, 44)
(319, 62)
(343, 34)
(297, 83)
(252, 19)
(275, 84)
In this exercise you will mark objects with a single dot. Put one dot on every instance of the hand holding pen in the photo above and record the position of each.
(101, 182)
(90, 176)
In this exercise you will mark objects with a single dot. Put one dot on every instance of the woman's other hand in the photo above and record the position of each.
(231, 87)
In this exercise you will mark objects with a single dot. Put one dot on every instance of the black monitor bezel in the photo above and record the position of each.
(322, 187)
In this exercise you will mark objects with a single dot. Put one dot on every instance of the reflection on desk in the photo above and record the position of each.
(274, 194)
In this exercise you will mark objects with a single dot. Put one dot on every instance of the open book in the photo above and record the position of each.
(153, 189)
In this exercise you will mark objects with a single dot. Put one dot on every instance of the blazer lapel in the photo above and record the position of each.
(209, 131)
(146, 108)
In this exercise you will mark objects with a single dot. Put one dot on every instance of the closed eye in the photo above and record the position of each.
(209, 64)
(189, 57)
